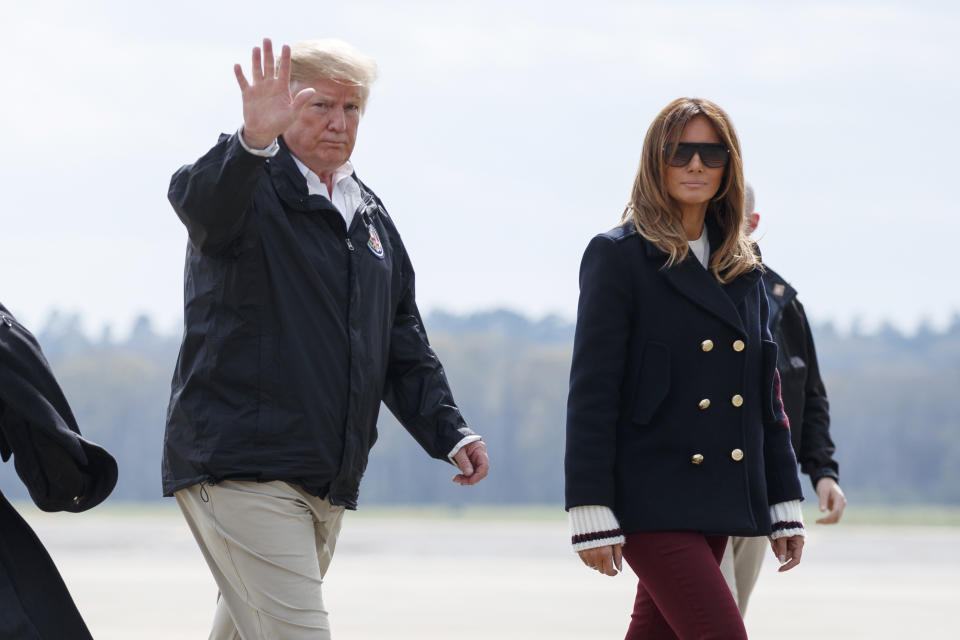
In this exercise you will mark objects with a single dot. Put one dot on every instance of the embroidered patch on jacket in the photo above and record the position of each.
(779, 290)
(374, 242)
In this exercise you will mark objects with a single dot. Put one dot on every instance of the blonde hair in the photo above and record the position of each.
(658, 217)
(331, 59)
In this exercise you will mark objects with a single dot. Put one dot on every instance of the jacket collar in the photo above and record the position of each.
(777, 287)
(291, 185)
(779, 295)
(691, 280)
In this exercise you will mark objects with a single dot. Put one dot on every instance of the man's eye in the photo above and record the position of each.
(353, 107)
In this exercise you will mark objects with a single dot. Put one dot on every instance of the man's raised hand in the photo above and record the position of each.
(268, 107)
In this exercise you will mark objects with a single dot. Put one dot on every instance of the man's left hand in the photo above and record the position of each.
(831, 499)
(473, 463)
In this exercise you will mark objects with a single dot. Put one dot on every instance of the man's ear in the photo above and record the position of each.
(753, 219)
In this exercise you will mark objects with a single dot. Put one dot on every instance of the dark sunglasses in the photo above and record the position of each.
(712, 154)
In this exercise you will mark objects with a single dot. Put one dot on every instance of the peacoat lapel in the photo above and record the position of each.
(699, 285)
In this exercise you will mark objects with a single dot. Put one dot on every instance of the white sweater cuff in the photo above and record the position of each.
(787, 520)
(594, 526)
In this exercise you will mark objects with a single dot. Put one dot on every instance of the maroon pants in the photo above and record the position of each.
(681, 593)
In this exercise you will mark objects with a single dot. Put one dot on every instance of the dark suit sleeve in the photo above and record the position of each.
(212, 196)
(416, 389)
(596, 375)
(816, 446)
(780, 462)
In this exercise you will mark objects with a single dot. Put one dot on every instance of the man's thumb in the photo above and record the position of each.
(463, 461)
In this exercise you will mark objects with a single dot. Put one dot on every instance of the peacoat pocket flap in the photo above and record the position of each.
(654, 382)
(771, 388)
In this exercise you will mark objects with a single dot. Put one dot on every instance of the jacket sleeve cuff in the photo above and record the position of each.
(820, 474)
(787, 520)
(594, 526)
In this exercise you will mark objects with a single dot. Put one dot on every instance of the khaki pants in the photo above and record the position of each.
(268, 546)
(740, 566)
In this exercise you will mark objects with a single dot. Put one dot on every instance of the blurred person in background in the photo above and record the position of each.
(300, 318)
(676, 435)
(805, 401)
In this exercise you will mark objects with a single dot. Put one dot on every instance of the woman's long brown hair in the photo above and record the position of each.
(657, 216)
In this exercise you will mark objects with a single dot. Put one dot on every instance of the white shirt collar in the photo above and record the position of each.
(316, 186)
(346, 196)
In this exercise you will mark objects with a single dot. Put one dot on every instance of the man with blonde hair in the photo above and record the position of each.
(300, 318)
(805, 402)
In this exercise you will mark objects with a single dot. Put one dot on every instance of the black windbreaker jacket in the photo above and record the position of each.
(804, 396)
(295, 328)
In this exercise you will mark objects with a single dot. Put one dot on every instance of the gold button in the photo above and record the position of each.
(737, 455)
(706, 345)
(696, 458)
(738, 345)
(737, 400)
(704, 403)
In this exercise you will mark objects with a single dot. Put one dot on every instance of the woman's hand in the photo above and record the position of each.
(788, 551)
(607, 560)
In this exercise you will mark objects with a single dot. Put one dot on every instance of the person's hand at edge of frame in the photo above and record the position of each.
(607, 560)
(268, 107)
(788, 551)
(473, 463)
(831, 499)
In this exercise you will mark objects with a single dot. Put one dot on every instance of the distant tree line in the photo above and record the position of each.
(894, 421)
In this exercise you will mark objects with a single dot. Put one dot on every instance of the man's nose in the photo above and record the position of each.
(338, 119)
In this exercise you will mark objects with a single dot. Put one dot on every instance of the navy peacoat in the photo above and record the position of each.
(674, 417)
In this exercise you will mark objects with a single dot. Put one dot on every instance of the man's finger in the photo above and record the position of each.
(256, 73)
(834, 516)
(241, 79)
(481, 464)
(283, 72)
(837, 503)
(269, 67)
(830, 518)
(463, 461)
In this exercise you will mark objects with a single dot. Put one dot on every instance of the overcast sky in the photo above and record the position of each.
(501, 136)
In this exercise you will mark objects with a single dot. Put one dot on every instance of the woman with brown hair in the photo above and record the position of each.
(676, 435)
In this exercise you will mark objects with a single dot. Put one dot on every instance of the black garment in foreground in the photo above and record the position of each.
(804, 396)
(62, 471)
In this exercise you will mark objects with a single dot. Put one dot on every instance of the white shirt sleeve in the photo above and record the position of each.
(271, 149)
(460, 445)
